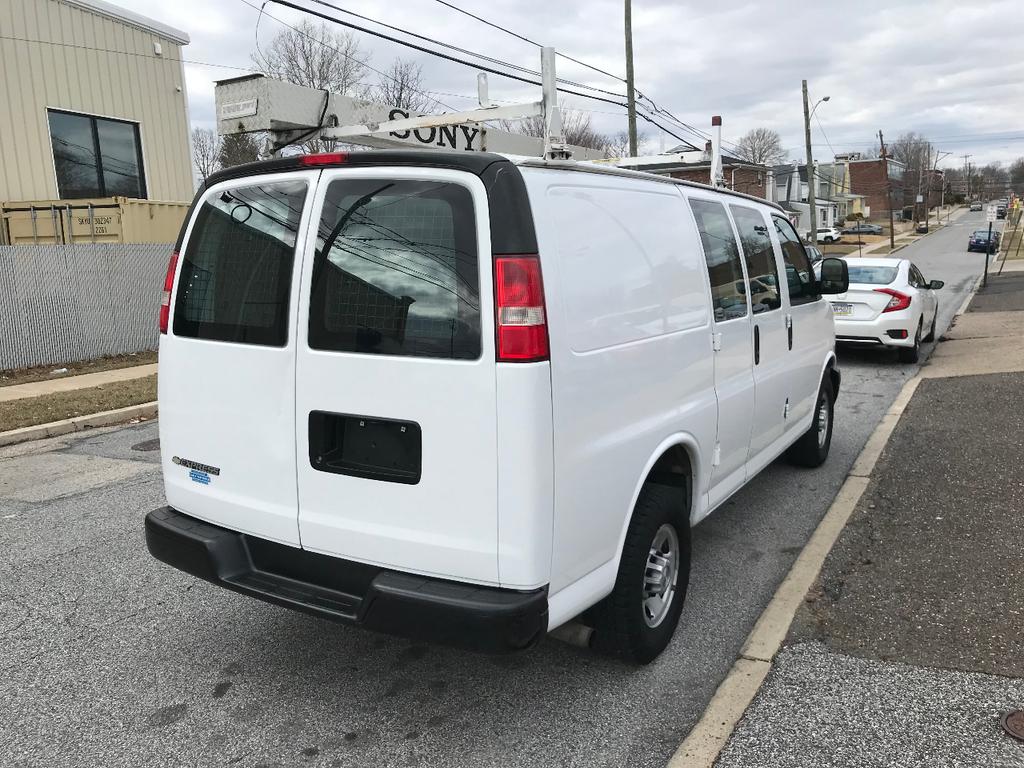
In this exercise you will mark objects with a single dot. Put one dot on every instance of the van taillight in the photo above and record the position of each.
(522, 328)
(165, 305)
(324, 158)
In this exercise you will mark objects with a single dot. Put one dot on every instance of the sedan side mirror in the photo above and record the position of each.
(936, 284)
(835, 276)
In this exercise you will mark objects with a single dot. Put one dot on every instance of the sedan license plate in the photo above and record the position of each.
(841, 309)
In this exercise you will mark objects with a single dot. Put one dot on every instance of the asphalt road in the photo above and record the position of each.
(112, 658)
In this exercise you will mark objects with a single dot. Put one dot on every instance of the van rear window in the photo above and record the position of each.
(237, 267)
(396, 270)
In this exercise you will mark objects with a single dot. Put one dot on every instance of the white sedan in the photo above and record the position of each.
(890, 304)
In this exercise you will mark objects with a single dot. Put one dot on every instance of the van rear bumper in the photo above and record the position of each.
(426, 609)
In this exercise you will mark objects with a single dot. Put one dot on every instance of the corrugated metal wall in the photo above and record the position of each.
(61, 303)
(65, 57)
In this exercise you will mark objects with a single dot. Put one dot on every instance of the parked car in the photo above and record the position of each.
(863, 228)
(375, 409)
(827, 235)
(890, 304)
(814, 254)
(976, 206)
(980, 241)
(1000, 211)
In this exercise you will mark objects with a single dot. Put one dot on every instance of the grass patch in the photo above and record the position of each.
(30, 411)
(45, 372)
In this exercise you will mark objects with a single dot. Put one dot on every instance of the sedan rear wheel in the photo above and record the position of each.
(912, 354)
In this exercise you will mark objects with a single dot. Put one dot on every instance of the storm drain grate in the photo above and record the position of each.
(1013, 723)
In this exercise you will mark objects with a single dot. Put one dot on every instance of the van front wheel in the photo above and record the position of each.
(637, 620)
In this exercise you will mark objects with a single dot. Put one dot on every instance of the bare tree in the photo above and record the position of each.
(762, 146)
(914, 151)
(402, 86)
(205, 151)
(577, 128)
(616, 144)
(238, 148)
(1017, 175)
(316, 56)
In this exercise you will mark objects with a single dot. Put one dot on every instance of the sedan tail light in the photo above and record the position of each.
(897, 301)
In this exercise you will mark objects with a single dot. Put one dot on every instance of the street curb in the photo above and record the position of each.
(702, 746)
(78, 423)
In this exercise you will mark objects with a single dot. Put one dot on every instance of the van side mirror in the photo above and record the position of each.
(936, 284)
(835, 276)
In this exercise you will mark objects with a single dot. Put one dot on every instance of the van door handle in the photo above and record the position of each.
(757, 345)
(789, 329)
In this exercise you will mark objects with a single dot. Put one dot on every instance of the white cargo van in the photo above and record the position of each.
(466, 399)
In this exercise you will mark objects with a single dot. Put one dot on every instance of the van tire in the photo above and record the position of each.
(622, 630)
(811, 449)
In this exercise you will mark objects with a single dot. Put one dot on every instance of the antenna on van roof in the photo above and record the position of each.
(292, 114)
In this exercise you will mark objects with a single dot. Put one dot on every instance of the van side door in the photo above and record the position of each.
(769, 332)
(733, 345)
(807, 323)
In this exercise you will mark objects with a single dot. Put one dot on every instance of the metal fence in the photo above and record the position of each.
(61, 303)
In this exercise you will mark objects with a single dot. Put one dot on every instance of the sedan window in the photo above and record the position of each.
(872, 275)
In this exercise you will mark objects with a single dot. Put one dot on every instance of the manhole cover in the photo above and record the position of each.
(1013, 723)
(147, 445)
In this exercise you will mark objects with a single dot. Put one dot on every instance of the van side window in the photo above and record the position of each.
(762, 275)
(396, 270)
(236, 271)
(803, 288)
(723, 259)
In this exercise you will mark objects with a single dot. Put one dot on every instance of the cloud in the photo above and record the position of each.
(946, 69)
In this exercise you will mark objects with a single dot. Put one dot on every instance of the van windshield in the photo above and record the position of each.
(396, 270)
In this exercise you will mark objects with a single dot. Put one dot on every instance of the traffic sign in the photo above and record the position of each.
(990, 213)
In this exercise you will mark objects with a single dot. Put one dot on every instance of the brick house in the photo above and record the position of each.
(868, 178)
(692, 164)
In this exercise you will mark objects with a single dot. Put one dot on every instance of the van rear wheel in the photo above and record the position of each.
(637, 620)
(812, 448)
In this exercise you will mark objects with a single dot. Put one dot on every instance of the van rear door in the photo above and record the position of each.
(227, 363)
(395, 380)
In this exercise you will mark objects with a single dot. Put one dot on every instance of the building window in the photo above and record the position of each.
(96, 156)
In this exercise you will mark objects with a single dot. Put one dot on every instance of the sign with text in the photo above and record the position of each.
(990, 213)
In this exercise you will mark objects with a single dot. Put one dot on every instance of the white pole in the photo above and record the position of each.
(717, 179)
(554, 144)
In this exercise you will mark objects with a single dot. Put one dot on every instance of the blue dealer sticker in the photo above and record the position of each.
(199, 477)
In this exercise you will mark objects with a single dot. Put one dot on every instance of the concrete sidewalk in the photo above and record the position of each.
(69, 383)
(910, 646)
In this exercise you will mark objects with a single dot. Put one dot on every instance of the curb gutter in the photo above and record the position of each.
(79, 423)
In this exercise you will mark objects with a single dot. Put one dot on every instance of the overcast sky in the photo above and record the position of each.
(950, 70)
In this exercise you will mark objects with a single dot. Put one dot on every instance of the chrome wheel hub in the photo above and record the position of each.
(660, 575)
(823, 413)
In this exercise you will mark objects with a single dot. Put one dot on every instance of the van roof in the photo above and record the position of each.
(474, 162)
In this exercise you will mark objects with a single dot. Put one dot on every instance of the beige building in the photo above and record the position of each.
(94, 105)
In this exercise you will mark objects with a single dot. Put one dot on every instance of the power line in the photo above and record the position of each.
(528, 40)
(333, 48)
(449, 57)
(484, 57)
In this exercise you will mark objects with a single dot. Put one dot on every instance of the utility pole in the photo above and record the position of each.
(630, 97)
(967, 177)
(812, 204)
(888, 194)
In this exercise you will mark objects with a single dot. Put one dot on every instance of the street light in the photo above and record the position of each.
(812, 204)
